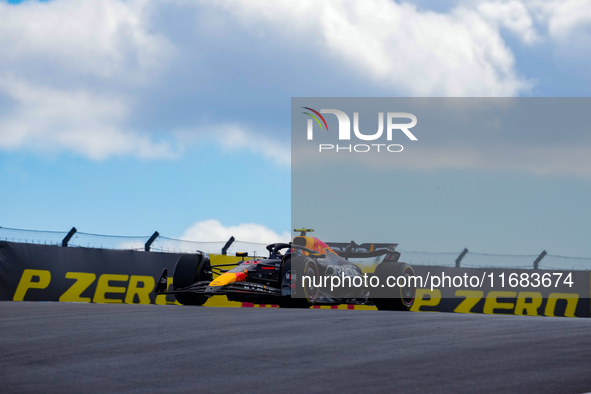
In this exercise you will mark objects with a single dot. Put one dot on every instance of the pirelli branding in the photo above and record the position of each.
(51, 273)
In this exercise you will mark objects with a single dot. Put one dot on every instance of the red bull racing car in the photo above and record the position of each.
(299, 274)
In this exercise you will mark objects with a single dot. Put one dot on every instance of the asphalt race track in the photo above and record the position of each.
(66, 347)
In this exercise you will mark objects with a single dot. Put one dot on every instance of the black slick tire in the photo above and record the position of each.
(395, 298)
(190, 268)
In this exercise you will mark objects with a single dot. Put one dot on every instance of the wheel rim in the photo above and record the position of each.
(311, 291)
(408, 292)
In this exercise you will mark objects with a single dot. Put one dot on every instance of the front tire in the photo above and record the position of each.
(287, 301)
(311, 270)
(395, 298)
(191, 268)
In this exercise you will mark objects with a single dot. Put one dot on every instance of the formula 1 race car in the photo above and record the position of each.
(319, 265)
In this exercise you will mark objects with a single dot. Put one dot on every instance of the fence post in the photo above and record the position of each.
(68, 237)
(227, 245)
(460, 257)
(151, 241)
(540, 257)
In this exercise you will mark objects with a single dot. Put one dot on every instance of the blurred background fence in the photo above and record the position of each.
(157, 243)
(484, 260)
(151, 243)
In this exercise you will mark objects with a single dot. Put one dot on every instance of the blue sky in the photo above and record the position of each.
(496, 175)
(127, 117)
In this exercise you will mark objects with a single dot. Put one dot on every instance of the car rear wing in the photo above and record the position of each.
(351, 249)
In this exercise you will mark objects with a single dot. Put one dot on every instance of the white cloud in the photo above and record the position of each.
(49, 119)
(512, 15)
(112, 41)
(52, 55)
(79, 76)
(532, 20)
(413, 52)
(562, 17)
(213, 230)
(233, 137)
(536, 136)
(104, 38)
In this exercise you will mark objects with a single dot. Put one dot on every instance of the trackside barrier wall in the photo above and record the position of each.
(30, 272)
(502, 298)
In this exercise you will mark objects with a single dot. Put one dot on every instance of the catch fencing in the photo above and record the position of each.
(486, 260)
(157, 243)
(151, 243)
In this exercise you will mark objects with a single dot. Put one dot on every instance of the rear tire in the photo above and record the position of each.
(395, 298)
(287, 301)
(191, 268)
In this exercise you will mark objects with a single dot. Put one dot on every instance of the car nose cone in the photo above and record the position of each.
(212, 289)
